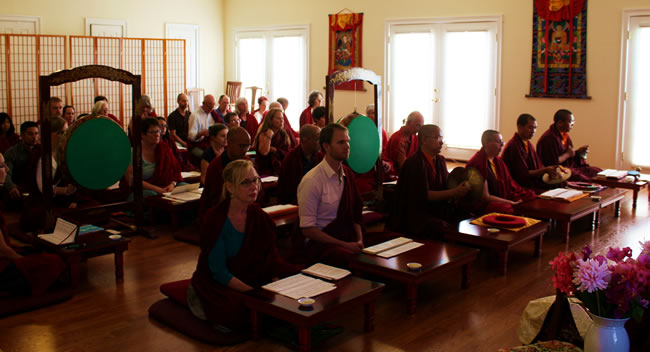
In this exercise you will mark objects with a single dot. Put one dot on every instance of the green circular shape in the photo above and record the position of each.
(364, 144)
(98, 153)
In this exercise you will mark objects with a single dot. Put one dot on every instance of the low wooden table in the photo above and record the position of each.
(501, 242)
(89, 245)
(351, 292)
(171, 206)
(435, 257)
(565, 213)
(634, 186)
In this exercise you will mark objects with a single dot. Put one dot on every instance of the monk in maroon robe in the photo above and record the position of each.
(523, 162)
(253, 264)
(272, 144)
(404, 143)
(556, 148)
(423, 207)
(297, 163)
(238, 144)
(500, 192)
(315, 99)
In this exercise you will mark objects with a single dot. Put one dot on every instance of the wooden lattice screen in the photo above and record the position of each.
(23, 58)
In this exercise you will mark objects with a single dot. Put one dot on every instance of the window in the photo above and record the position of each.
(447, 70)
(276, 60)
(636, 89)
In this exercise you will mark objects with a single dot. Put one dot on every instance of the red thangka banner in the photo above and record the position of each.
(345, 36)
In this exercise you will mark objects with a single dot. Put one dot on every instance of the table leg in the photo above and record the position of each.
(635, 194)
(369, 316)
(75, 262)
(617, 209)
(304, 338)
(412, 296)
(254, 325)
(464, 283)
(503, 262)
(595, 220)
(564, 227)
(119, 265)
(538, 245)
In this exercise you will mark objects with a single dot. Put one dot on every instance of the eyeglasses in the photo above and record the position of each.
(247, 182)
(153, 132)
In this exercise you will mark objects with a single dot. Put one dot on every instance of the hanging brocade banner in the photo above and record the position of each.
(345, 45)
(559, 65)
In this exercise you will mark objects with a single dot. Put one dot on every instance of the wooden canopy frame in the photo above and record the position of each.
(358, 74)
(73, 75)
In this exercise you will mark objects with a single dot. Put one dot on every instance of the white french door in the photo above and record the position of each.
(449, 72)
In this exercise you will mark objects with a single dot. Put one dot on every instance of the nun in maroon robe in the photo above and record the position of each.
(400, 147)
(520, 157)
(553, 143)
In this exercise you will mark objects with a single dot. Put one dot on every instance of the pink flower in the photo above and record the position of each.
(591, 275)
(586, 252)
(617, 255)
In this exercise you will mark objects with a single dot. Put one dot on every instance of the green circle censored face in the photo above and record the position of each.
(98, 153)
(364, 144)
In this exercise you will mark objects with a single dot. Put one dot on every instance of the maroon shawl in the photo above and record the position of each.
(291, 173)
(349, 212)
(251, 125)
(8, 142)
(520, 162)
(271, 163)
(550, 147)
(305, 117)
(500, 185)
(256, 264)
(167, 169)
(399, 149)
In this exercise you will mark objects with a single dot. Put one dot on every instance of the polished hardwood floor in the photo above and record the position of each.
(109, 316)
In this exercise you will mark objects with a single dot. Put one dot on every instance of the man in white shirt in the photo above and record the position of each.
(200, 121)
(329, 204)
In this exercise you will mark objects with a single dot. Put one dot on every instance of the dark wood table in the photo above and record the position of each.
(634, 186)
(565, 213)
(350, 292)
(435, 257)
(171, 206)
(88, 245)
(501, 242)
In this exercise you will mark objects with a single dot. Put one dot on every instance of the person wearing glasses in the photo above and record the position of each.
(272, 144)
(238, 143)
(238, 251)
(231, 120)
(24, 275)
(422, 195)
(160, 169)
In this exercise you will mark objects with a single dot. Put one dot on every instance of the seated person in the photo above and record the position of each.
(298, 162)
(371, 113)
(500, 191)
(69, 114)
(519, 155)
(219, 114)
(319, 117)
(272, 144)
(246, 119)
(329, 205)
(423, 203)
(315, 100)
(165, 137)
(179, 119)
(218, 143)
(238, 144)
(8, 136)
(200, 121)
(104, 109)
(238, 251)
(160, 169)
(404, 143)
(556, 148)
(231, 120)
(30, 275)
(284, 103)
(263, 103)
(20, 159)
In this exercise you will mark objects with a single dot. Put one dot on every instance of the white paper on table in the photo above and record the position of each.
(384, 246)
(399, 250)
(64, 232)
(280, 207)
(298, 286)
(326, 272)
(187, 174)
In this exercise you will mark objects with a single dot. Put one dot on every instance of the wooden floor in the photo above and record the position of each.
(105, 316)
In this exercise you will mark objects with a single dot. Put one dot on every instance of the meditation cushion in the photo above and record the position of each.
(506, 221)
(11, 305)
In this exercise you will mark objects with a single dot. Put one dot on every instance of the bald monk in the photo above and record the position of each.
(239, 141)
(523, 162)
(500, 191)
(556, 148)
(422, 194)
(404, 143)
(298, 162)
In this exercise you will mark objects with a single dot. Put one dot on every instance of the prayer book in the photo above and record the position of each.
(299, 285)
(563, 194)
(65, 232)
(326, 272)
(384, 246)
(187, 174)
(613, 174)
(399, 250)
(269, 179)
(281, 209)
(184, 193)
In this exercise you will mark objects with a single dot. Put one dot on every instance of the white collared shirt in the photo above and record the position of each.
(199, 121)
(319, 195)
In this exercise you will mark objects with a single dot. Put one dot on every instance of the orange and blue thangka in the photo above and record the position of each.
(559, 58)
(345, 36)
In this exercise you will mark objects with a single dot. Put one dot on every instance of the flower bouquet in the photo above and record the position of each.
(612, 286)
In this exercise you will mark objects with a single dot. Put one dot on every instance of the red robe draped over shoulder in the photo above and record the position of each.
(550, 147)
(305, 117)
(251, 125)
(213, 186)
(39, 270)
(256, 264)
(7, 142)
(167, 170)
(400, 147)
(291, 173)
(270, 163)
(520, 162)
(501, 185)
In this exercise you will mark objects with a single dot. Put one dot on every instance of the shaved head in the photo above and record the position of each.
(309, 131)
(489, 136)
(237, 132)
(238, 143)
(427, 131)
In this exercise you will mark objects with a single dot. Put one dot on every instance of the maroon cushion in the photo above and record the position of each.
(504, 221)
(192, 237)
(11, 305)
(181, 319)
(372, 217)
(176, 290)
